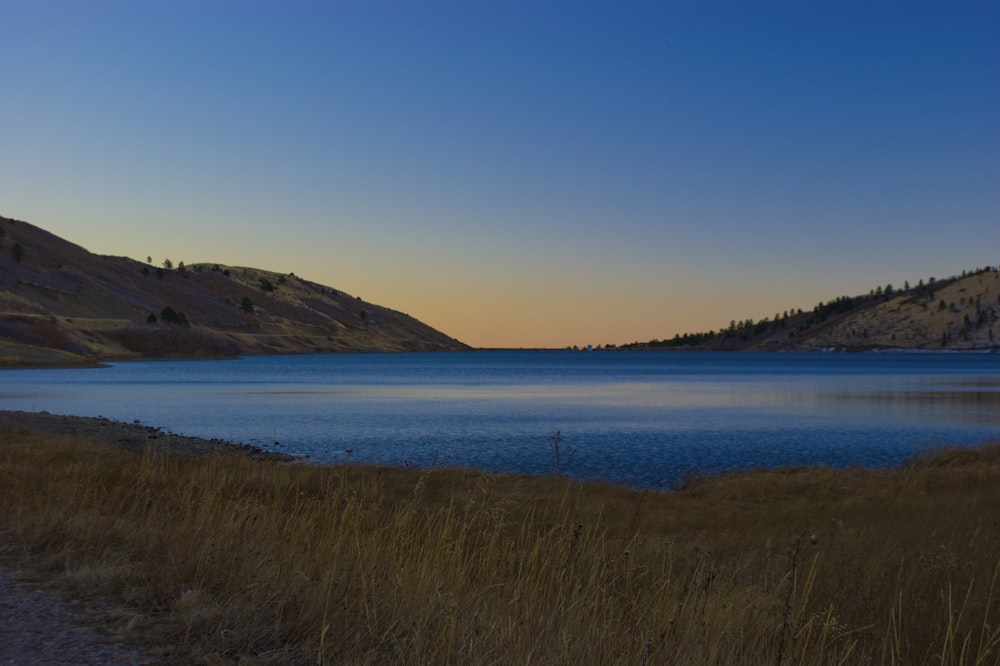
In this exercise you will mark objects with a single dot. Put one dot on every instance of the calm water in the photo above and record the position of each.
(640, 418)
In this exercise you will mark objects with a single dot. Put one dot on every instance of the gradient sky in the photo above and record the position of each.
(517, 173)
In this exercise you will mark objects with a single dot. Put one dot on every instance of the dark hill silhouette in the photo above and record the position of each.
(60, 303)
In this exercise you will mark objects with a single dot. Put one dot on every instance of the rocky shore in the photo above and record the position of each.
(135, 436)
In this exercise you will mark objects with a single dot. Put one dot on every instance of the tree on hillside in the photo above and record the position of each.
(169, 315)
(17, 252)
(168, 264)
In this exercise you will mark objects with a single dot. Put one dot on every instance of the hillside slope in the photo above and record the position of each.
(959, 313)
(59, 303)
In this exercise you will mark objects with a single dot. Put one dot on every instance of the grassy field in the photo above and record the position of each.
(215, 560)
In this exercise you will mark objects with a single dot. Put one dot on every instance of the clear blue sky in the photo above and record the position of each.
(517, 173)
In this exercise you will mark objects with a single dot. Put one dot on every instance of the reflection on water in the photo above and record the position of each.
(978, 382)
(980, 408)
(645, 419)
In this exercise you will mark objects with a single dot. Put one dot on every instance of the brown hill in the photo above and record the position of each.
(957, 313)
(60, 304)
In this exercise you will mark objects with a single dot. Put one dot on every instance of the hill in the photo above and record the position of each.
(958, 313)
(61, 304)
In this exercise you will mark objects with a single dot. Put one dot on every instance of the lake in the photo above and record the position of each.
(646, 419)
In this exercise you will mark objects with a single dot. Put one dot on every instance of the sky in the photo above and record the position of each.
(517, 173)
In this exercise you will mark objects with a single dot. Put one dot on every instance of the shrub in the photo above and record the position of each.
(176, 341)
(171, 316)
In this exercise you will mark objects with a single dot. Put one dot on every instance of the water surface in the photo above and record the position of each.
(641, 418)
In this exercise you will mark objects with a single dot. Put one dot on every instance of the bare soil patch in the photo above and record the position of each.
(39, 627)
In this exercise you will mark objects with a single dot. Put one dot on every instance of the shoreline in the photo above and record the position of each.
(139, 437)
(135, 436)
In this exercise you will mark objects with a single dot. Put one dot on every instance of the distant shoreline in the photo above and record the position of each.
(60, 361)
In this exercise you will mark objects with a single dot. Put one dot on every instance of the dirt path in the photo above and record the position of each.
(42, 628)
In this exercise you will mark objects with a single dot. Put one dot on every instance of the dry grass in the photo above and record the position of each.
(917, 320)
(227, 559)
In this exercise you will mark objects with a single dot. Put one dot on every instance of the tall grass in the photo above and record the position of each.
(222, 559)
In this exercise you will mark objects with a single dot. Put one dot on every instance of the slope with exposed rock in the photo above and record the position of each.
(61, 304)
